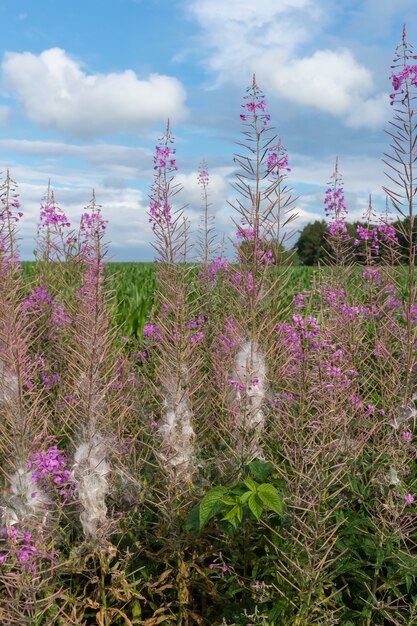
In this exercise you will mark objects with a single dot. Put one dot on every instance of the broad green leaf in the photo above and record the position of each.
(229, 501)
(270, 497)
(255, 505)
(260, 470)
(244, 497)
(236, 513)
(210, 505)
(251, 484)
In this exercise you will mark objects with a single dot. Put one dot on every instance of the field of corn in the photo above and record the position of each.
(210, 441)
(132, 287)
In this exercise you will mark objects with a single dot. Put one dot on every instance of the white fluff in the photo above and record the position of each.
(9, 385)
(25, 499)
(177, 433)
(90, 472)
(250, 365)
(406, 413)
(393, 477)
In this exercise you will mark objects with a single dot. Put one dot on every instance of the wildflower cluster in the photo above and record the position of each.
(407, 73)
(375, 236)
(335, 207)
(160, 210)
(277, 160)
(51, 215)
(20, 549)
(203, 177)
(48, 471)
(40, 303)
(256, 106)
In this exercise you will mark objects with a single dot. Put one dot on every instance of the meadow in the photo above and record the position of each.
(210, 441)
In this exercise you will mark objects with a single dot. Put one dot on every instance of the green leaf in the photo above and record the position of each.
(260, 470)
(255, 505)
(210, 505)
(230, 501)
(270, 497)
(245, 496)
(235, 514)
(251, 484)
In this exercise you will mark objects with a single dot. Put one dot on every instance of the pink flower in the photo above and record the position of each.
(409, 498)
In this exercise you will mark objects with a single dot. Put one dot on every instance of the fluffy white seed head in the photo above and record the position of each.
(405, 414)
(91, 470)
(25, 498)
(177, 433)
(250, 376)
(9, 385)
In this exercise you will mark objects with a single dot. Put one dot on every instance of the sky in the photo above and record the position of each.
(87, 86)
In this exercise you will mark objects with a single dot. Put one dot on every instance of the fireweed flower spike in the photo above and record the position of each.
(206, 234)
(335, 208)
(262, 206)
(174, 348)
(53, 237)
(164, 220)
(18, 405)
(401, 163)
(92, 343)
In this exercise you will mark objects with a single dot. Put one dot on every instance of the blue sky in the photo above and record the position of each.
(87, 86)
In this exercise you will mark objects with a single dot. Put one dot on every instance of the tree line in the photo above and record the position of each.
(313, 244)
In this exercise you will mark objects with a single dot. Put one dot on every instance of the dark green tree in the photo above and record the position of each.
(312, 244)
(280, 254)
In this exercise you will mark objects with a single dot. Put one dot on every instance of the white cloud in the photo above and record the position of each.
(191, 194)
(237, 30)
(362, 175)
(57, 94)
(329, 80)
(243, 37)
(4, 115)
(114, 157)
(128, 232)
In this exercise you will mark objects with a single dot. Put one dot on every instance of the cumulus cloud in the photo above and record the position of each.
(57, 94)
(105, 155)
(191, 194)
(265, 38)
(129, 232)
(4, 115)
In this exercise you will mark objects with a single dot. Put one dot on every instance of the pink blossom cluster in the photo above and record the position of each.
(163, 158)
(50, 215)
(218, 268)
(278, 159)
(335, 207)
(383, 233)
(50, 380)
(246, 233)
(409, 72)
(334, 202)
(203, 175)
(22, 549)
(152, 331)
(10, 201)
(159, 207)
(243, 281)
(196, 326)
(93, 222)
(256, 106)
(48, 470)
(40, 303)
(160, 212)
